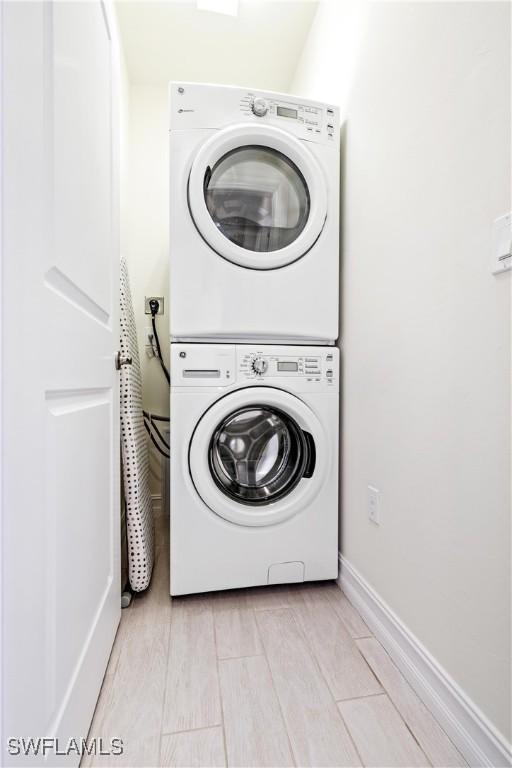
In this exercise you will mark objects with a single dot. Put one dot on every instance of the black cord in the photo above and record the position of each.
(154, 305)
(153, 417)
(166, 455)
(154, 426)
(157, 340)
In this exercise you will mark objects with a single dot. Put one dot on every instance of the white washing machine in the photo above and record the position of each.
(254, 219)
(254, 465)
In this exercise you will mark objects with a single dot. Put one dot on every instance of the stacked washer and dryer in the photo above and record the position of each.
(254, 306)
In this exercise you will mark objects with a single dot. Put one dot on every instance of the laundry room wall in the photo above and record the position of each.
(124, 129)
(425, 90)
(146, 240)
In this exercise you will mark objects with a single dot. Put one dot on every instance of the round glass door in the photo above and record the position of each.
(257, 198)
(257, 455)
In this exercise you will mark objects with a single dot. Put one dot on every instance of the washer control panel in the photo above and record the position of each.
(260, 364)
(293, 368)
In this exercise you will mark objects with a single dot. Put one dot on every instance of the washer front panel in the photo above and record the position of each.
(257, 196)
(266, 471)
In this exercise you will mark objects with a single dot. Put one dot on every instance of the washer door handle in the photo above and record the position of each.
(311, 461)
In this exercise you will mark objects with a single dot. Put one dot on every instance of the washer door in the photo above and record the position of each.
(258, 456)
(257, 196)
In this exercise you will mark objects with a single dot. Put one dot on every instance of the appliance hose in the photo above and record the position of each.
(159, 351)
(154, 426)
(149, 419)
(153, 417)
(159, 449)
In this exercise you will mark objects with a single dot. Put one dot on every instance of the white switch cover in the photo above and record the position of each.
(374, 504)
(502, 244)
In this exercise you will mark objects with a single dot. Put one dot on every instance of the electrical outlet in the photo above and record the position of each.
(160, 300)
(374, 504)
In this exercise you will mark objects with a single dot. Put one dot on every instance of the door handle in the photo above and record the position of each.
(122, 361)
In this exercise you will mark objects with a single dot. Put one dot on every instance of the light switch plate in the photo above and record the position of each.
(502, 244)
(374, 504)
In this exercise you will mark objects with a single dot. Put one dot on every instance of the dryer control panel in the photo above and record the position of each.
(313, 121)
(196, 105)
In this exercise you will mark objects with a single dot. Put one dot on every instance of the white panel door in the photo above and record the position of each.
(60, 452)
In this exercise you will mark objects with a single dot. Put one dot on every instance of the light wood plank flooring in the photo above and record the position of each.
(276, 676)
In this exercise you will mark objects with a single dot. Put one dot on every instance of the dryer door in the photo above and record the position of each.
(257, 196)
(258, 456)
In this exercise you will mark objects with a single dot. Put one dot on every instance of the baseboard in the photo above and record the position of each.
(471, 732)
(156, 503)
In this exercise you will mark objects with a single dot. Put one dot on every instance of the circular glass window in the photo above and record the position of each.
(257, 198)
(257, 455)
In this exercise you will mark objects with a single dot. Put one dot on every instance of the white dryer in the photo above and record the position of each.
(254, 465)
(254, 216)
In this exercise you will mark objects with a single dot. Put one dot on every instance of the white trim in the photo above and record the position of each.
(166, 485)
(258, 338)
(471, 732)
(2, 372)
(156, 503)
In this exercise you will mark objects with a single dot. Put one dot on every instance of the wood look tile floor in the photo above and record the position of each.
(272, 676)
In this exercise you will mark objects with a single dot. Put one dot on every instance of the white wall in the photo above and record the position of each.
(124, 126)
(426, 327)
(145, 237)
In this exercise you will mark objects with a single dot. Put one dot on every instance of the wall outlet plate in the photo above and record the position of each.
(502, 244)
(160, 300)
(374, 505)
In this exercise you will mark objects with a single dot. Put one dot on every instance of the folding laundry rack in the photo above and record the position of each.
(134, 449)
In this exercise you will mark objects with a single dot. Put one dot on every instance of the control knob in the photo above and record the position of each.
(259, 365)
(259, 107)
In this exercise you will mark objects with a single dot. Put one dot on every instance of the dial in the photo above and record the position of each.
(259, 107)
(259, 365)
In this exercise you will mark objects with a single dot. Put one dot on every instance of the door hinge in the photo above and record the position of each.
(122, 361)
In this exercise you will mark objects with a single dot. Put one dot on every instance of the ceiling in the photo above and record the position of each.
(258, 48)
